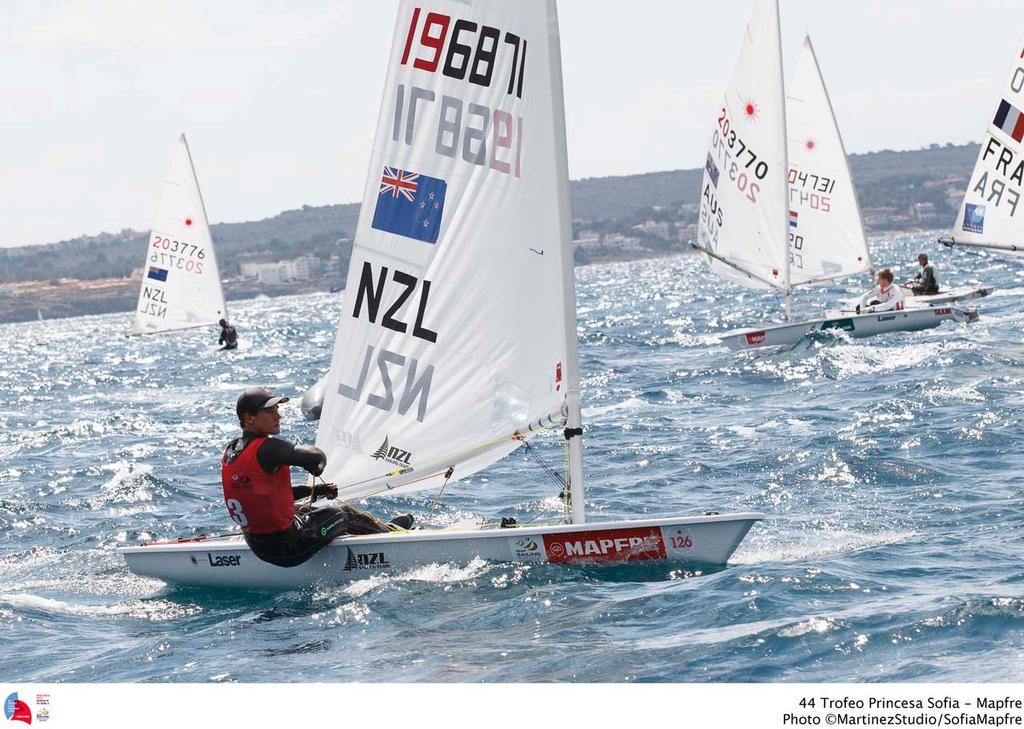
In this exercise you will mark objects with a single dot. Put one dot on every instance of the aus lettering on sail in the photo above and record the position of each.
(452, 123)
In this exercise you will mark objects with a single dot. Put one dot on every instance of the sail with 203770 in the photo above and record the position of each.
(180, 281)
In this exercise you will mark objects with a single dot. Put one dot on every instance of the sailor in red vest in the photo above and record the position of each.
(258, 491)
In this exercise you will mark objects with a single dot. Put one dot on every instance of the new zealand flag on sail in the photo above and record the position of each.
(410, 204)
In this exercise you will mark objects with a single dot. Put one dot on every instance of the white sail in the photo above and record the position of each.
(180, 281)
(826, 235)
(992, 212)
(454, 334)
(743, 225)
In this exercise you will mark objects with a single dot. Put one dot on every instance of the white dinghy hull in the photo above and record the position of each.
(950, 297)
(855, 325)
(228, 562)
(312, 402)
(964, 293)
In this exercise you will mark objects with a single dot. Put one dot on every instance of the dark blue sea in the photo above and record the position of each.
(890, 470)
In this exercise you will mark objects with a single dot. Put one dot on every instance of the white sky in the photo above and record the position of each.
(279, 98)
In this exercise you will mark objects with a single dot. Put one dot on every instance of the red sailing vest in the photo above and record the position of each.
(259, 502)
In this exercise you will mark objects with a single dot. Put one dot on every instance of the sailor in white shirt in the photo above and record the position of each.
(884, 297)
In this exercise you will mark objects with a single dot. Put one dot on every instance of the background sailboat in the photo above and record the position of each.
(180, 280)
(992, 212)
(778, 207)
(458, 334)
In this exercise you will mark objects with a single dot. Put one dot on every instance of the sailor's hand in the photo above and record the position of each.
(869, 310)
(328, 490)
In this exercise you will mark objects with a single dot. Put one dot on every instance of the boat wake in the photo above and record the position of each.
(26, 605)
(815, 545)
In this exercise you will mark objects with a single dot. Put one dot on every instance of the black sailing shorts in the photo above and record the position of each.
(309, 533)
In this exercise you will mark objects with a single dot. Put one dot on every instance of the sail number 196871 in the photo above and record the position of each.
(477, 133)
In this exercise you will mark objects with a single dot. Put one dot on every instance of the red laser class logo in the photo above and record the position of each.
(16, 710)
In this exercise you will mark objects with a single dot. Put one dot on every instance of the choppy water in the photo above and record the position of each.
(890, 470)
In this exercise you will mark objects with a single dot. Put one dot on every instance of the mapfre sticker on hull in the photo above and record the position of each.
(607, 545)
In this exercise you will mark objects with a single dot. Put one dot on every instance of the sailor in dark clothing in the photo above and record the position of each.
(926, 282)
(259, 495)
(228, 335)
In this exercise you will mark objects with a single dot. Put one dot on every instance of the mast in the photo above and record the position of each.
(785, 174)
(574, 418)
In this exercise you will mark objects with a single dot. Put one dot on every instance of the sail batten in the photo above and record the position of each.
(465, 207)
(991, 214)
(180, 279)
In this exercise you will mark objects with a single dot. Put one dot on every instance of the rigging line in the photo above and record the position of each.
(529, 450)
(566, 490)
(968, 251)
(519, 434)
(347, 505)
(437, 499)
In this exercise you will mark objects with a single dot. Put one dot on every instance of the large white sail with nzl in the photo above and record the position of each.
(457, 336)
(180, 281)
(826, 235)
(992, 212)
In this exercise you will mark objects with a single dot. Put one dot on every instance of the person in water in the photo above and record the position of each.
(886, 296)
(260, 498)
(926, 282)
(228, 335)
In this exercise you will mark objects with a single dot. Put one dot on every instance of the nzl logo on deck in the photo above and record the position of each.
(17, 710)
(410, 204)
(366, 561)
(974, 218)
(607, 545)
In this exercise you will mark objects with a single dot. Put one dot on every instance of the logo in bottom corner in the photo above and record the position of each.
(607, 545)
(366, 561)
(527, 548)
(17, 710)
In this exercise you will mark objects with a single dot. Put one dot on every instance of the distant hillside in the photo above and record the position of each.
(613, 218)
(882, 177)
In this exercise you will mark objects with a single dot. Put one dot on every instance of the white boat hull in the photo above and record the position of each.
(855, 325)
(312, 401)
(951, 297)
(228, 562)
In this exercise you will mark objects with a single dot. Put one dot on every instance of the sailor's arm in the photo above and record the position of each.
(274, 453)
